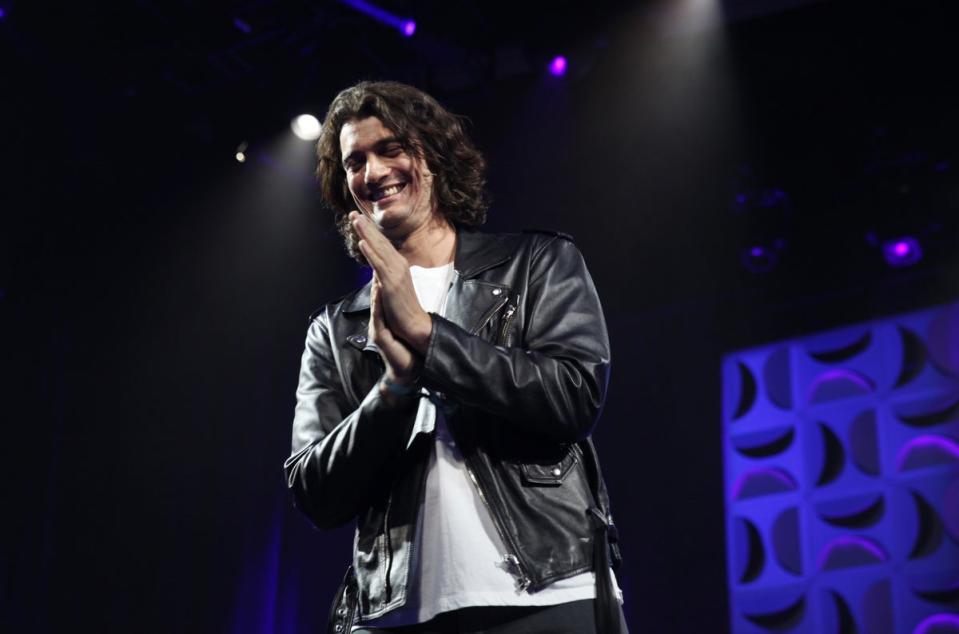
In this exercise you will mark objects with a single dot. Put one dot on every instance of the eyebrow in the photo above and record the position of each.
(378, 146)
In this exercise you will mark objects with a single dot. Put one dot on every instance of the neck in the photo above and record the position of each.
(431, 244)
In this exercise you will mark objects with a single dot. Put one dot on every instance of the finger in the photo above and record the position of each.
(376, 310)
(372, 256)
(380, 252)
(368, 231)
(363, 226)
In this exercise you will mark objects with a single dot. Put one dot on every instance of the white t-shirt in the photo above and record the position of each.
(461, 559)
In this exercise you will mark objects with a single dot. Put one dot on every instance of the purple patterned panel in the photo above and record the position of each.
(842, 479)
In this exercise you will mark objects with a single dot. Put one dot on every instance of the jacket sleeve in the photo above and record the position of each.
(338, 453)
(553, 384)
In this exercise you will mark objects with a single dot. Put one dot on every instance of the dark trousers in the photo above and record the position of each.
(576, 617)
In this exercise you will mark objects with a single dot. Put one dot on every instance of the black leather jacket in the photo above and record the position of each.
(520, 364)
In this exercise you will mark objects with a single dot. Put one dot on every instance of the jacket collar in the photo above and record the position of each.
(475, 252)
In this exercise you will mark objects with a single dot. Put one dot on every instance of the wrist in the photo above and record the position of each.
(419, 335)
(397, 392)
(399, 386)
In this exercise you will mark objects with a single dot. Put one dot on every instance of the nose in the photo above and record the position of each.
(376, 170)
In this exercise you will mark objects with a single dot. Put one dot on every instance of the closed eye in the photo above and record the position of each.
(392, 151)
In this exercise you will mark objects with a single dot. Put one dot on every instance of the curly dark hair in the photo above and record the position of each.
(426, 130)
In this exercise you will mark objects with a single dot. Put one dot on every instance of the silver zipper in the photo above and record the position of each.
(486, 318)
(388, 547)
(507, 322)
(513, 564)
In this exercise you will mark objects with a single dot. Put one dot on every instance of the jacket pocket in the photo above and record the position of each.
(550, 473)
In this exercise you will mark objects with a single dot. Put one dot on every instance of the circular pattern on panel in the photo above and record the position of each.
(939, 624)
(926, 451)
(775, 611)
(850, 551)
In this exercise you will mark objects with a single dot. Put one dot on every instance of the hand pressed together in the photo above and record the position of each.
(398, 324)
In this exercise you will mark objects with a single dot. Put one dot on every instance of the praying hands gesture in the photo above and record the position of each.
(399, 326)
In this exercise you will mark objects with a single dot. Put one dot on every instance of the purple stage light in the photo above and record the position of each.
(242, 26)
(3, 13)
(759, 259)
(405, 26)
(901, 252)
(557, 67)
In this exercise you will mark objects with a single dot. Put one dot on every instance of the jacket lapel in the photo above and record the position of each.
(471, 303)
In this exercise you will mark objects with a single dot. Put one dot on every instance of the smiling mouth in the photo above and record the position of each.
(386, 192)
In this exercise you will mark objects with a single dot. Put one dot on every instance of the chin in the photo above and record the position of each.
(390, 218)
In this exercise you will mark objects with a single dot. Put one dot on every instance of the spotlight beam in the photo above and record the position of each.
(404, 26)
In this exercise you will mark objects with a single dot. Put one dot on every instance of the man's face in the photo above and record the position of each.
(390, 186)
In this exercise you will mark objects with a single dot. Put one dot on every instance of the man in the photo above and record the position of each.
(446, 406)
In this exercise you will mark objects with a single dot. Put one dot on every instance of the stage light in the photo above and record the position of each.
(242, 26)
(557, 67)
(759, 259)
(306, 127)
(901, 252)
(241, 152)
(405, 26)
(3, 13)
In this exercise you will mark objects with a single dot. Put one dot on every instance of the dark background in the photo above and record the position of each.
(154, 292)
